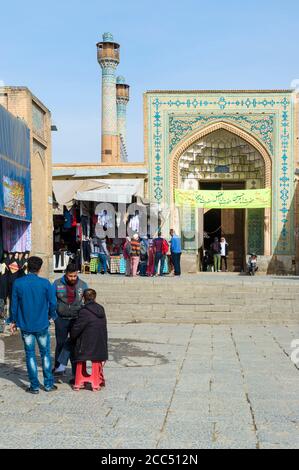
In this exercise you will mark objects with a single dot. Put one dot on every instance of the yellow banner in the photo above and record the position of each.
(226, 199)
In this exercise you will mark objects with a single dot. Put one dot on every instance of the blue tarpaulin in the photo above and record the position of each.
(15, 182)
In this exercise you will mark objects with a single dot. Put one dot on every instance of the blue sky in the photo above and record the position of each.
(193, 44)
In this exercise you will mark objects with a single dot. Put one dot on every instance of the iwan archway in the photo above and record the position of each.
(223, 157)
(264, 119)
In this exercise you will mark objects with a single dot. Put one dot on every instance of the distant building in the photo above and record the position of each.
(20, 102)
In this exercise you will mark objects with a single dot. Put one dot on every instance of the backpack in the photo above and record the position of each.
(165, 247)
(143, 252)
(216, 249)
(143, 248)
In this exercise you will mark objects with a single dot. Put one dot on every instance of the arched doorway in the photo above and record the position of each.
(225, 157)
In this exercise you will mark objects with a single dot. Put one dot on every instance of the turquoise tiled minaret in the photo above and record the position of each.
(108, 58)
(122, 99)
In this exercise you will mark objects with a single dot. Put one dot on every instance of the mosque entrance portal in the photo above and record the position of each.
(227, 223)
(224, 161)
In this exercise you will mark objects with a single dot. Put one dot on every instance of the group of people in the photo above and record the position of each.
(216, 256)
(80, 323)
(12, 267)
(148, 256)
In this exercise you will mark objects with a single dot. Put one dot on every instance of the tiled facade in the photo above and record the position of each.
(176, 121)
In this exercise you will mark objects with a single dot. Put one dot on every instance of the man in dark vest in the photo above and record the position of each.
(69, 293)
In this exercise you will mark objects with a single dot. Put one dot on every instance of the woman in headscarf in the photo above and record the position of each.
(151, 258)
(127, 255)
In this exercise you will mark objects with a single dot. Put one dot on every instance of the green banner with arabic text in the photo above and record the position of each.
(226, 199)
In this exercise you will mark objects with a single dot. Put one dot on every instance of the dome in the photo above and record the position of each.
(121, 80)
(108, 37)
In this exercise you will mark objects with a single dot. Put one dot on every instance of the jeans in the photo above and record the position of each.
(43, 341)
(217, 262)
(176, 260)
(66, 352)
(102, 263)
(62, 330)
(142, 268)
(159, 257)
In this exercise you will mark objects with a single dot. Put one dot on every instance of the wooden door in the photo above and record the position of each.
(233, 228)
(232, 224)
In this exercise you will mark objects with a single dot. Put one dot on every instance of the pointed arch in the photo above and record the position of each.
(200, 133)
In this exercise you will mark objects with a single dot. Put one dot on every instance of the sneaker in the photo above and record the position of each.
(52, 389)
(58, 374)
(32, 390)
(61, 368)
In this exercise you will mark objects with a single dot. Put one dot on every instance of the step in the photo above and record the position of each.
(199, 299)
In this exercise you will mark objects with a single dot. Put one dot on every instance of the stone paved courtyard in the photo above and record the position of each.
(168, 386)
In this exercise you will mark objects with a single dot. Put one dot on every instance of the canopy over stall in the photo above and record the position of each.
(66, 191)
(113, 190)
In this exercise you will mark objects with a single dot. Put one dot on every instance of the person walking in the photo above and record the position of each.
(127, 255)
(216, 252)
(69, 292)
(103, 256)
(224, 252)
(160, 249)
(89, 331)
(150, 270)
(143, 256)
(33, 303)
(176, 251)
(135, 254)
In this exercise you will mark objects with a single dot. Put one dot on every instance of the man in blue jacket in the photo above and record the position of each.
(176, 251)
(33, 304)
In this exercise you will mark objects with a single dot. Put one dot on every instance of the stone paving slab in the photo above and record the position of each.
(168, 386)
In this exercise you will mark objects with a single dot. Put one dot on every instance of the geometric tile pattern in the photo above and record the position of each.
(260, 125)
(267, 116)
(109, 114)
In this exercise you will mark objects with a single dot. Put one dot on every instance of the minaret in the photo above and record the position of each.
(122, 99)
(108, 58)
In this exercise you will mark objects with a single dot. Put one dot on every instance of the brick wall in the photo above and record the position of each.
(20, 101)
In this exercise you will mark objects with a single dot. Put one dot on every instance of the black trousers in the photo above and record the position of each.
(86, 251)
(176, 261)
(62, 330)
(57, 255)
(4, 286)
(84, 223)
(224, 258)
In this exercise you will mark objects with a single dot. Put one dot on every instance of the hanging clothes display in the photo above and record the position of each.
(13, 266)
(134, 223)
(67, 219)
(85, 225)
(16, 235)
(86, 250)
(4, 281)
